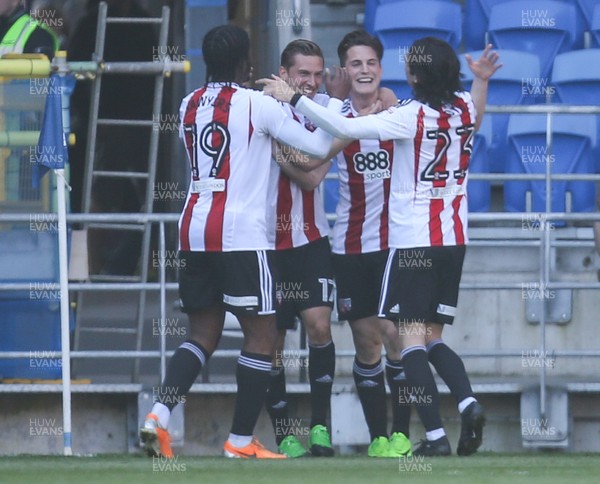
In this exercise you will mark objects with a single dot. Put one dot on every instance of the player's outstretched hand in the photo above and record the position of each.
(486, 65)
(337, 82)
(277, 88)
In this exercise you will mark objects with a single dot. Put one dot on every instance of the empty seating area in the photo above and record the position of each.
(550, 51)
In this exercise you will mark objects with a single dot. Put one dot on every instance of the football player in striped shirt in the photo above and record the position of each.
(303, 252)
(226, 257)
(360, 247)
(432, 136)
(305, 288)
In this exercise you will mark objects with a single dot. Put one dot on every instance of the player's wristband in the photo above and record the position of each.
(295, 98)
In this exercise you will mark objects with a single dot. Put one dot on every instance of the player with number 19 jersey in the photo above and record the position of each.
(227, 132)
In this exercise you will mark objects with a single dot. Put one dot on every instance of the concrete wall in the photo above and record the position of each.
(32, 423)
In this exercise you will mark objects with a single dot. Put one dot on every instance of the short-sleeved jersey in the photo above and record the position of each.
(364, 171)
(227, 132)
(297, 215)
(428, 194)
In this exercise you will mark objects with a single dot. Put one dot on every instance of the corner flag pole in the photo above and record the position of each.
(65, 337)
(65, 340)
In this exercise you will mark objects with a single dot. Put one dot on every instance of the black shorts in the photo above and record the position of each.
(305, 280)
(421, 284)
(244, 281)
(358, 280)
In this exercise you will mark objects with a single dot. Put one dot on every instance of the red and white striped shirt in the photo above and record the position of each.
(364, 171)
(299, 215)
(227, 132)
(428, 194)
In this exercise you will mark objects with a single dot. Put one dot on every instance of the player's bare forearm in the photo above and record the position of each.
(482, 69)
(302, 162)
(307, 180)
(479, 91)
(297, 165)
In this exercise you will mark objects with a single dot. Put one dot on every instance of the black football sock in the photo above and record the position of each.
(182, 371)
(399, 389)
(253, 374)
(277, 405)
(422, 386)
(450, 368)
(371, 392)
(321, 368)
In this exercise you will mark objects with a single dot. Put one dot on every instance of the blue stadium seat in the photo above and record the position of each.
(475, 22)
(576, 78)
(479, 191)
(586, 8)
(509, 85)
(331, 191)
(573, 137)
(371, 7)
(30, 319)
(399, 24)
(595, 26)
(543, 27)
(394, 74)
(477, 15)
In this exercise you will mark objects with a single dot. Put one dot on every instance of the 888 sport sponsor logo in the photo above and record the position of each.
(374, 165)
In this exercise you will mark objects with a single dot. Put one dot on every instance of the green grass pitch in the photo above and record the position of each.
(546, 468)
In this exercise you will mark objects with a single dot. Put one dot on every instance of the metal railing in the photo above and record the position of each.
(545, 244)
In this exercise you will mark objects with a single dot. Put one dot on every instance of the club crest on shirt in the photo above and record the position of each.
(344, 305)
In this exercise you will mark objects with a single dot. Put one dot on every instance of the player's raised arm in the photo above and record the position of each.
(482, 69)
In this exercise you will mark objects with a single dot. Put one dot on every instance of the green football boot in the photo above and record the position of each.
(400, 445)
(319, 442)
(292, 447)
(380, 447)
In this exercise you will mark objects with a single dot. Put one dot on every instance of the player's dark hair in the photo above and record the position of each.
(437, 69)
(358, 37)
(302, 47)
(225, 49)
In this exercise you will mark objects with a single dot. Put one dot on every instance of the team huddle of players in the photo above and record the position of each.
(254, 239)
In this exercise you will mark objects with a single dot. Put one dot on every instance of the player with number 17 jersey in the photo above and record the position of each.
(299, 214)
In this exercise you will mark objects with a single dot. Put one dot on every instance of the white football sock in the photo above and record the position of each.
(465, 403)
(239, 441)
(163, 413)
(435, 434)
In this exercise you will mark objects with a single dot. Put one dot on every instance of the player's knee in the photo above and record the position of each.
(260, 334)
(433, 331)
(317, 322)
(390, 333)
(368, 354)
(368, 346)
(319, 333)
